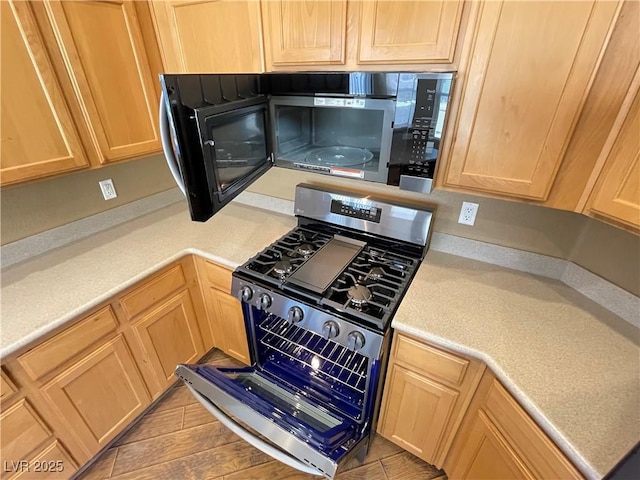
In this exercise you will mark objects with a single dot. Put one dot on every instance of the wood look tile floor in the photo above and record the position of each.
(178, 439)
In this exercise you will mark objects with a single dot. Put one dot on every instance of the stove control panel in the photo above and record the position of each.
(324, 324)
(353, 209)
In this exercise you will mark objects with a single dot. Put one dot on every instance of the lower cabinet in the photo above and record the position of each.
(99, 395)
(427, 391)
(67, 397)
(224, 311)
(168, 335)
(498, 439)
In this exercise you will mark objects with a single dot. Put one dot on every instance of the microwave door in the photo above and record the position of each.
(294, 430)
(206, 155)
(236, 148)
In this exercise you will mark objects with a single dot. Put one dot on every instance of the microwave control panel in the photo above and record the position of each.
(422, 152)
(356, 210)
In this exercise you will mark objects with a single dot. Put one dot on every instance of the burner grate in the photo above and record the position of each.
(324, 358)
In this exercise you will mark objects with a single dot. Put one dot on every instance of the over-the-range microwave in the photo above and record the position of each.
(220, 132)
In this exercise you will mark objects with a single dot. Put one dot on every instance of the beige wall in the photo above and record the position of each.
(511, 224)
(36, 207)
(607, 251)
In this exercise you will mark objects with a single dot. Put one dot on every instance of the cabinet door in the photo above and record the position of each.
(209, 36)
(228, 325)
(409, 32)
(38, 134)
(528, 74)
(487, 455)
(410, 392)
(99, 395)
(104, 54)
(169, 335)
(617, 194)
(304, 32)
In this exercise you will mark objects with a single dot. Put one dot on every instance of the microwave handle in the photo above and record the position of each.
(170, 155)
(250, 438)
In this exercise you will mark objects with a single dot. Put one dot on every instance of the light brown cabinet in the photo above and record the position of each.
(437, 384)
(360, 35)
(209, 36)
(616, 195)
(99, 395)
(304, 32)
(28, 448)
(499, 440)
(39, 137)
(392, 32)
(526, 76)
(165, 329)
(101, 49)
(224, 312)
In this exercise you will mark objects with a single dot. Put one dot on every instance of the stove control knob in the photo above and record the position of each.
(355, 341)
(245, 293)
(295, 315)
(264, 301)
(330, 329)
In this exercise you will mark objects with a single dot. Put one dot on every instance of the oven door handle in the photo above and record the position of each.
(250, 438)
(170, 153)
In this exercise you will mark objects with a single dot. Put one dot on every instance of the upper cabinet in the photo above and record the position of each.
(304, 32)
(39, 137)
(393, 32)
(526, 76)
(616, 195)
(103, 51)
(209, 36)
(360, 35)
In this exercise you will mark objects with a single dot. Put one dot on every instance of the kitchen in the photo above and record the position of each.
(518, 225)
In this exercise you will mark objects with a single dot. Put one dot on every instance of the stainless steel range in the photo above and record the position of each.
(317, 305)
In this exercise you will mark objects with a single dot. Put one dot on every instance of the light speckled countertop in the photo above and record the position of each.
(572, 364)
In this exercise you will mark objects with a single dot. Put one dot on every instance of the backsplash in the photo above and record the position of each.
(609, 252)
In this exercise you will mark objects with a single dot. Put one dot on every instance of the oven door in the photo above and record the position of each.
(308, 437)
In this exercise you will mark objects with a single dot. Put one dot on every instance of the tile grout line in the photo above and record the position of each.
(113, 464)
(384, 473)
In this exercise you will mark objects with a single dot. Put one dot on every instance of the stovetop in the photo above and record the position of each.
(367, 276)
(351, 256)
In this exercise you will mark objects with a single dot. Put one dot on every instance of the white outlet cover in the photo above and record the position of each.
(108, 190)
(468, 213)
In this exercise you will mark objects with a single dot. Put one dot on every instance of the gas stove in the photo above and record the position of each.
(349, 256)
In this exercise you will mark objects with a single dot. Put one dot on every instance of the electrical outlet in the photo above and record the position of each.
(468, 213)
(108, 190)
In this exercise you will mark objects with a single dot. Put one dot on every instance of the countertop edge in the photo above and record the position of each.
(543, 422)
(83, 309)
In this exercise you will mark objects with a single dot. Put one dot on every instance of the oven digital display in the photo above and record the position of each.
(363, 211)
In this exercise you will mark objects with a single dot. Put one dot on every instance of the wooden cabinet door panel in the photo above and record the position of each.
(305, 32)
(21, 432)
(487, 455)
(209, 36)
(99, 395)
(420, 433)
(617, 194)
(54, 463)
(169, 335)
(38, 134)
(409, 31)
(228, 328)
(529, 72)
(104, 54)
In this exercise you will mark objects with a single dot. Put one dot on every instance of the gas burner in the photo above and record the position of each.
(359, 295)
(283, 268)
(304, 249)
(376, 273)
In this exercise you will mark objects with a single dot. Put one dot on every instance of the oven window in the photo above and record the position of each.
(308, 414)
(240, 147)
